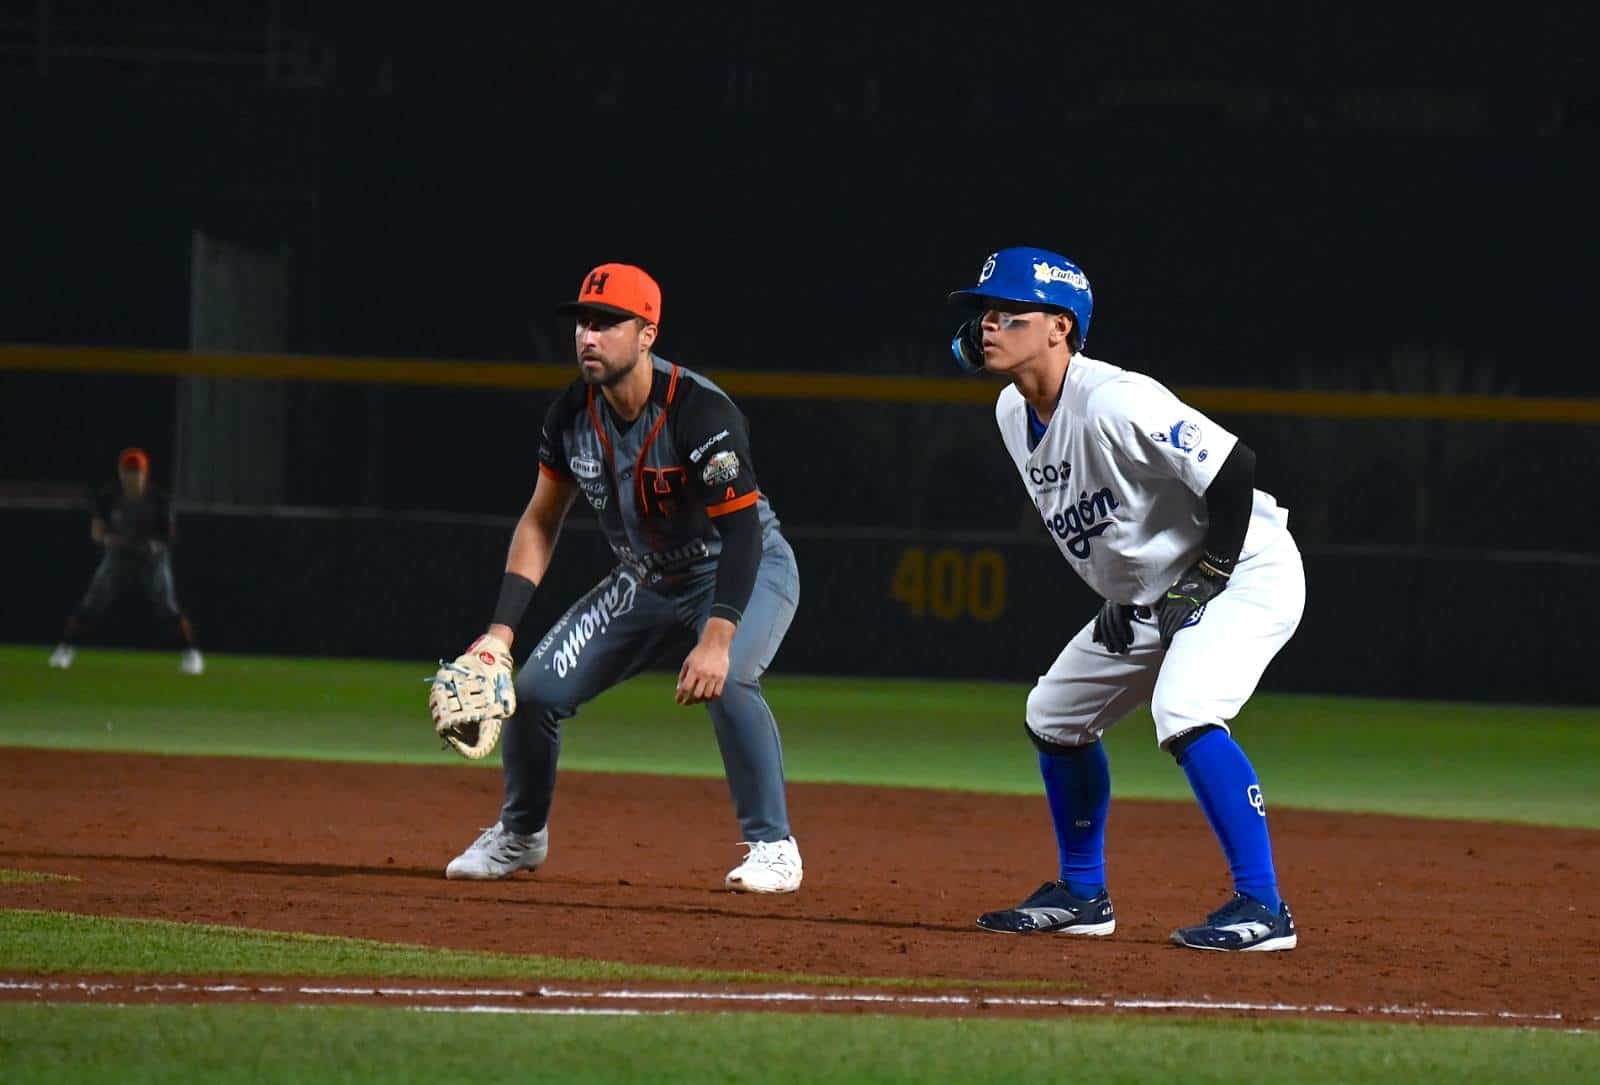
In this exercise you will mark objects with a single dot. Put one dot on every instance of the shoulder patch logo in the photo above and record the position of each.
(1185, 436)
(723, 467)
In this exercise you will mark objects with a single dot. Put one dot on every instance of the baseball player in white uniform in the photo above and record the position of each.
(1154, 505)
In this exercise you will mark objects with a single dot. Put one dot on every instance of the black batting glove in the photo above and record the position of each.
(1199, 584)
(967, 346)
(1113, 627)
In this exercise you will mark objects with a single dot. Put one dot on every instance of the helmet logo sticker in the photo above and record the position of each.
(988, 268)
(1043, 272)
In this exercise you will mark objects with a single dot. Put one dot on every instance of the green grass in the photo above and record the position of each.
(1497, 762)
(57, 942)
(220, 1044)
(19, 877)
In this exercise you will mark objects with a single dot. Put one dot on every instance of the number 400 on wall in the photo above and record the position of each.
(950, 584)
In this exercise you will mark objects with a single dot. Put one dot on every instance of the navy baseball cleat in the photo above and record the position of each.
(1052, 909)
(1243, 924)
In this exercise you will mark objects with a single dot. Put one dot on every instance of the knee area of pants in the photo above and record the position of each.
(1179, 744)
(1053, 746)
(535, 714)
(1036, 707)
(1172, 720)
(744, 679)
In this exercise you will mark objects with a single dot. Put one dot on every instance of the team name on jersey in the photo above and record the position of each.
(1079, 523)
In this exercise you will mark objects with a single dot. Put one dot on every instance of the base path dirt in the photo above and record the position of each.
(1402, 913)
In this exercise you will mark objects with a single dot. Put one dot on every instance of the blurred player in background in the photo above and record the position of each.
(704, 576)
(134, 523)
(1154, 505)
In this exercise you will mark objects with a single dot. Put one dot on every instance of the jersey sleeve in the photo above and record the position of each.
(1157, 434)
(714, 442)
(552, 457)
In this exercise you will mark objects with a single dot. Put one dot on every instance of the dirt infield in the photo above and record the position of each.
(1419, 918)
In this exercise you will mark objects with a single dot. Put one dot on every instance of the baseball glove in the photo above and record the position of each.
(472, 696)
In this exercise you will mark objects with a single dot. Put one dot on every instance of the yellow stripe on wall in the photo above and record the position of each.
(857, 387)
(289, 367)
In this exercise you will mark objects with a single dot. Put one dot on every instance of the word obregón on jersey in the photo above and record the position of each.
(1078, 525)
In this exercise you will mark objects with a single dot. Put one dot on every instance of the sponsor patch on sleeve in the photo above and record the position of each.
(694, 457)
(723, 467)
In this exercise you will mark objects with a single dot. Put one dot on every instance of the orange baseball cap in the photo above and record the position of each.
(618, 288)
(134, 457)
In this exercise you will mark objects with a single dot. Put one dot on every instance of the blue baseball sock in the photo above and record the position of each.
(1230, 795)
(1077, 784)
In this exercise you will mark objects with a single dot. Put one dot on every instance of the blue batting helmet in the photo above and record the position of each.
(1034, 277)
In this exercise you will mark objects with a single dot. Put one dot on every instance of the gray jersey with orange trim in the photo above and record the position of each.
(659, 483)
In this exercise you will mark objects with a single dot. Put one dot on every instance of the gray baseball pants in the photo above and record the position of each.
(118, 573)
(618, 629)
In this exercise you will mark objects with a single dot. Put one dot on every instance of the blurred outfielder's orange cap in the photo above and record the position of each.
(617, 288)
(134, 457)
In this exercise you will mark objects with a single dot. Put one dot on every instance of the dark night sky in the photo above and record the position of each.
(1245, 187)
(1263, 194)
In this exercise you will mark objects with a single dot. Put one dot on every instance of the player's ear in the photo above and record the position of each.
(647, 335)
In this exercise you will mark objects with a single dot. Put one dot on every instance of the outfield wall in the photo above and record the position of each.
(1382, 621)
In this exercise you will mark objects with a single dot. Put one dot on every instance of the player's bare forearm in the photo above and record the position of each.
(718, 631)
(533, 540)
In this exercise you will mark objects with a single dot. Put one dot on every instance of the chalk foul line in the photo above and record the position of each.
(606, 1000)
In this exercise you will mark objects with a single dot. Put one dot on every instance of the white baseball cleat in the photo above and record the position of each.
(499, 852)
(62, 657)
(770, 867)
(192, 662)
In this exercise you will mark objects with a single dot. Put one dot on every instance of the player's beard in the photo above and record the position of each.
(609, 375)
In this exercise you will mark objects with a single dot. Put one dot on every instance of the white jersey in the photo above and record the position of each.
(1120, 478)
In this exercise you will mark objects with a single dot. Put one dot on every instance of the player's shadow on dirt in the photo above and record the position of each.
(704, 911)
(244, 866)
(432, 876)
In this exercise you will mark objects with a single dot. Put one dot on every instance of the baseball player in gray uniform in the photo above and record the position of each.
(134, 522)
(662, 455)
(1154, 505)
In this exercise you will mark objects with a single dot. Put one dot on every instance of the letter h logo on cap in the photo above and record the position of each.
(621, 289)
